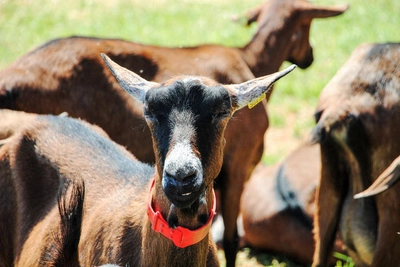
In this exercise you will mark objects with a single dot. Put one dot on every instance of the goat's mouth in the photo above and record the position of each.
(183, 200)
(183, 193)
(305, 62)
(183, 196)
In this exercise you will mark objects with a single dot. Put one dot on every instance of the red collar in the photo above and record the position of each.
(182, 237)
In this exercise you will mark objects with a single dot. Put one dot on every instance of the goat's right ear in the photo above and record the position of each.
(133, 84)
(249, 17)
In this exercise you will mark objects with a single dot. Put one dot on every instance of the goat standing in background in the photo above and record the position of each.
(68, 75)
(357, 116)
(133, 215)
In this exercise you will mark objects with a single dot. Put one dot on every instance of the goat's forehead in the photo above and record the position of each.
(198, 90)
(199, 80)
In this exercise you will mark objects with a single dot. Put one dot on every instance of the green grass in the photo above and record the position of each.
(26, 24)
(343, 260)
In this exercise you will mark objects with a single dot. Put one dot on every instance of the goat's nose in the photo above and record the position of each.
(182, 175)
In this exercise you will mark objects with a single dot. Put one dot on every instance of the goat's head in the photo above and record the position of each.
(294, 19)
(187, 118)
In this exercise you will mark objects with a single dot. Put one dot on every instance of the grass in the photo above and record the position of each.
(26, 24)
(343, 260)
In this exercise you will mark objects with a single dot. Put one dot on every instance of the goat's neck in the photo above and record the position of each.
(268, 49)
(157, 250)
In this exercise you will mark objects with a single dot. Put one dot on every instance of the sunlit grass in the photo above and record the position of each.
(343, 260)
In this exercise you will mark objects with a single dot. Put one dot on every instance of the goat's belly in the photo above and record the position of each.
(358, 227)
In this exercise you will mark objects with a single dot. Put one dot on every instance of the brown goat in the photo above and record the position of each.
(278, 206)
(125, 201)
(69, 75)
(357, 117)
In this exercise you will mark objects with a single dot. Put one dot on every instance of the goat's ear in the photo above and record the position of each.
(312, 11)
(133, 84)
(386, 180)
(253, 91)
(249, 17)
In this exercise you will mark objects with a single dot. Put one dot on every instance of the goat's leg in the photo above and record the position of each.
(387, 245)
(329, 201)
(230, 203)
(243, 151)
(8, 207)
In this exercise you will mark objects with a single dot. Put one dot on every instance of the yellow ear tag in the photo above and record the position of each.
(253, 103)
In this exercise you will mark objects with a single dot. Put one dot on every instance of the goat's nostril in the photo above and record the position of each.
(190, 175)
(182, 176)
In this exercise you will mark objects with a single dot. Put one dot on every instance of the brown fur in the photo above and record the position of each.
(41, 159)
(69, 75)
(278, 206)
(356, 118)
(64, 251)
(114, 212)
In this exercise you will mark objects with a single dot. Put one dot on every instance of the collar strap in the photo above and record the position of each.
(181, 236)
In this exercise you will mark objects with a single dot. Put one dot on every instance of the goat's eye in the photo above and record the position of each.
(220, 115)
(149, 115)
(296, 36)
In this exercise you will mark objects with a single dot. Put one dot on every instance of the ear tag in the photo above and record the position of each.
(253, 103)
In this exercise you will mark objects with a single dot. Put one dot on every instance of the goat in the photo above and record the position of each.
(356, 116)
(278, 206)
(126, 201)
(69, 75)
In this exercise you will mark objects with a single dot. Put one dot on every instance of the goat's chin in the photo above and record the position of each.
(191, 217)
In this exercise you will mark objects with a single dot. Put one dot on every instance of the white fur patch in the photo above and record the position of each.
(181, 159)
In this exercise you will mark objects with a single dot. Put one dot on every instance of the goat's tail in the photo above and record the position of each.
(64, 252)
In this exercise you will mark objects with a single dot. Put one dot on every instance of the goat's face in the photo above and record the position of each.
(301, 51)
(293, 19)
(187, 118)
(301, 16)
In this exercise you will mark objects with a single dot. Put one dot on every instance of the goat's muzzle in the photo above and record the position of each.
(182, 178)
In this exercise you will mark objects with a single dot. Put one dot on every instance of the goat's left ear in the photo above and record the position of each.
(133, 84)
(253, 91)
(311, 11)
